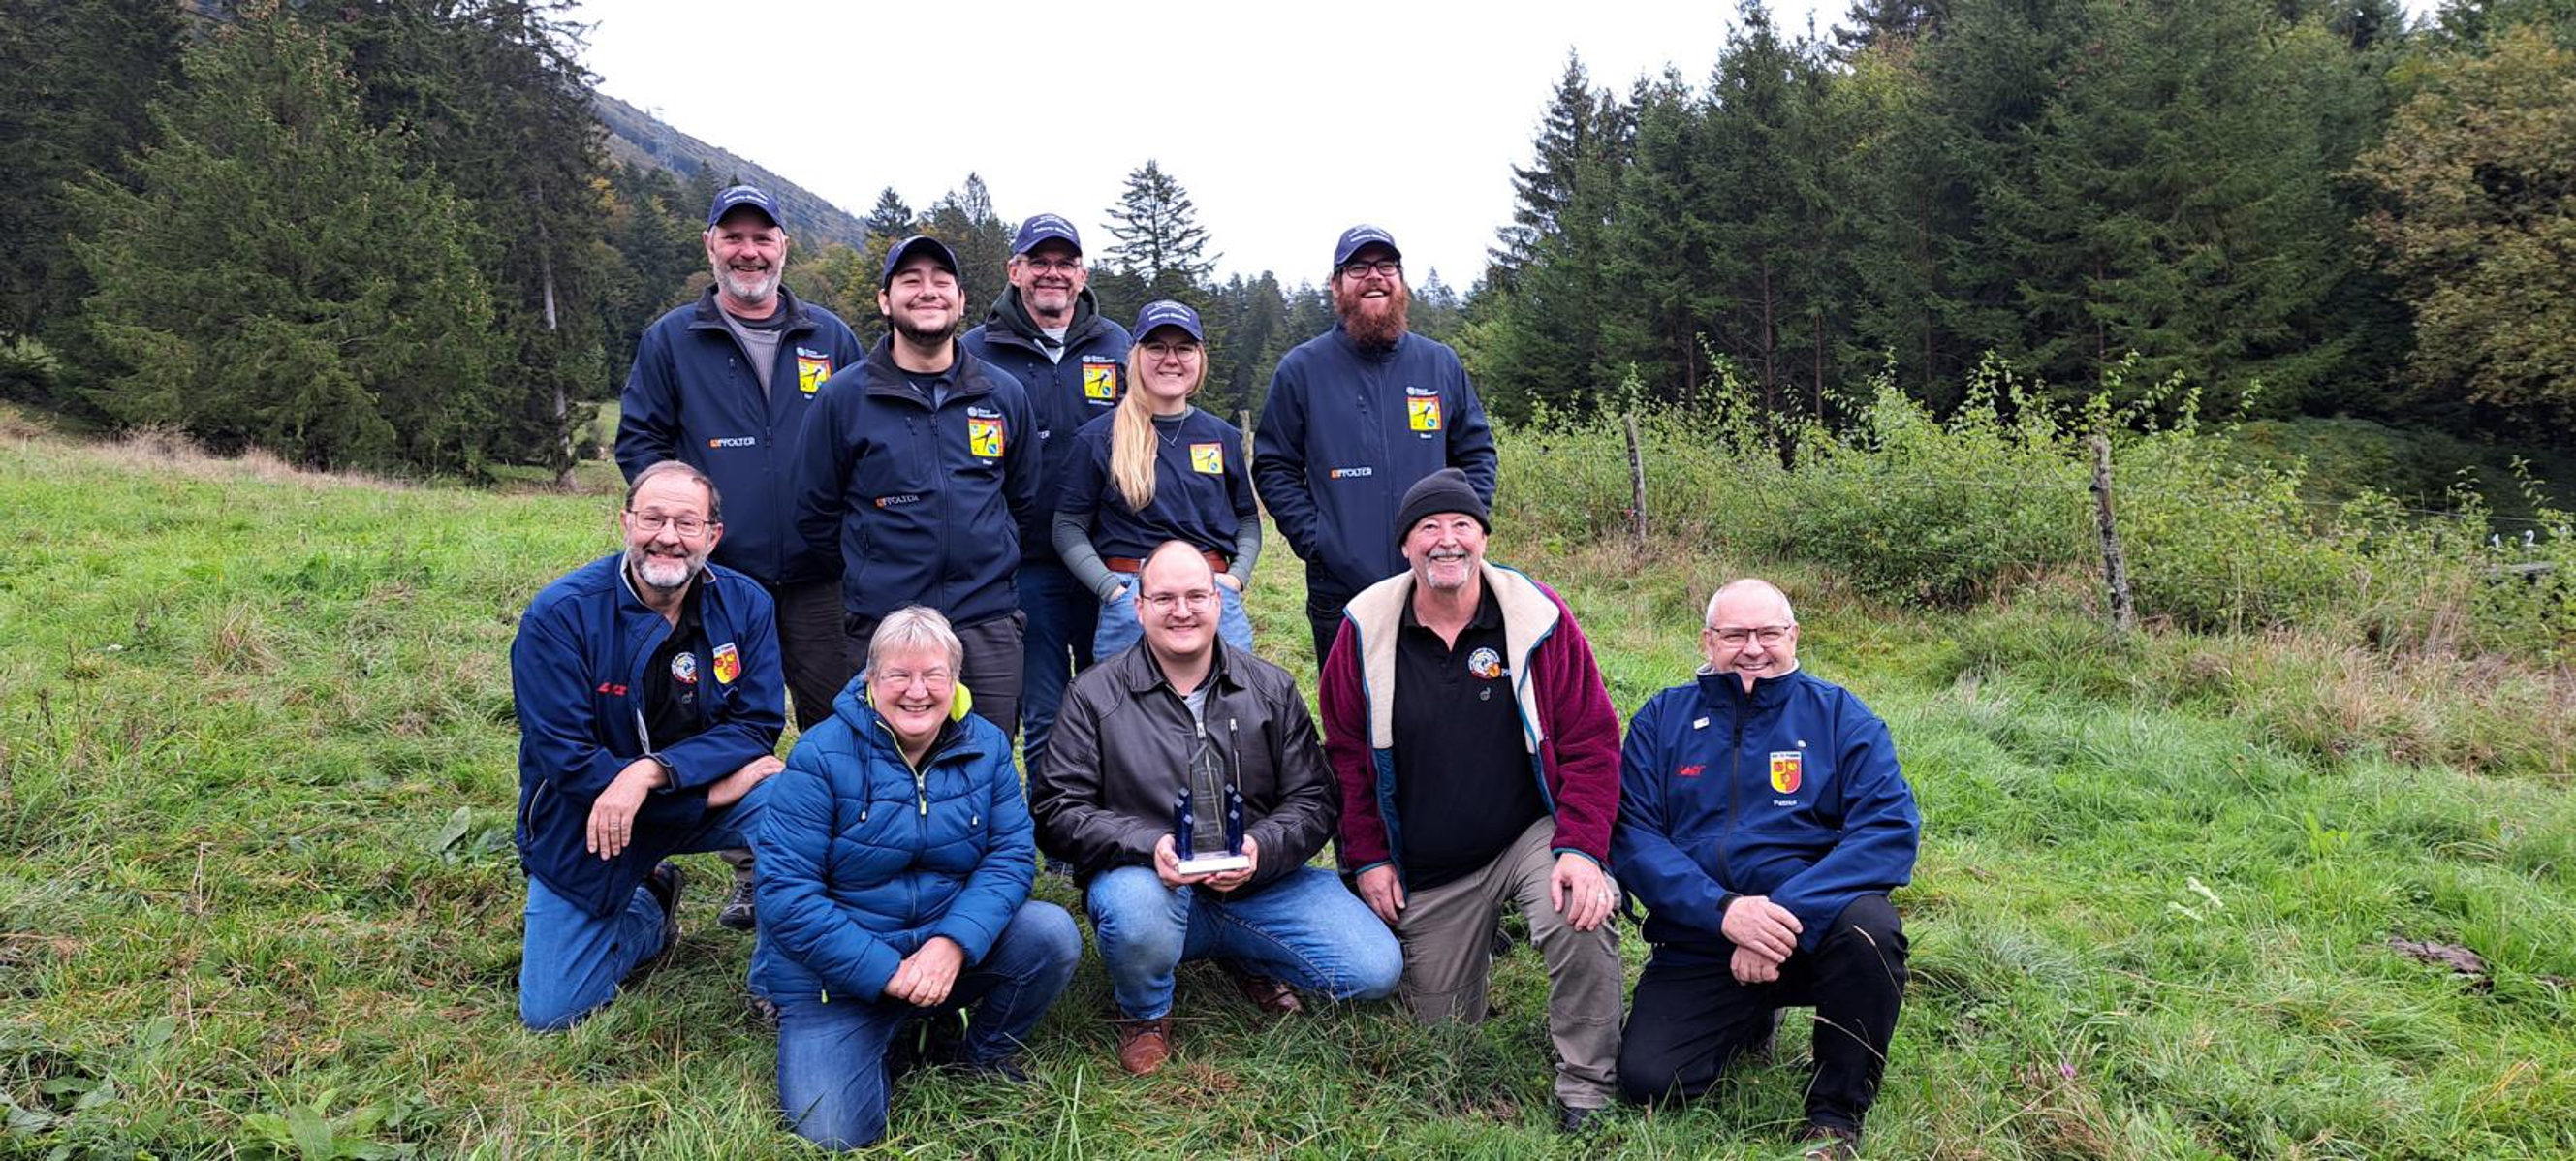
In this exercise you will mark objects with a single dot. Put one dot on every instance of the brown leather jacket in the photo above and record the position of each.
(1105, 791)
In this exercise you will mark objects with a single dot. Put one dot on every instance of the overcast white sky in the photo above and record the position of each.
(1286, 123)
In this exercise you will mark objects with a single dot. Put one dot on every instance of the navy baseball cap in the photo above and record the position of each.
(1044, 228)
(1359, 236)
(743, 195)
(1167, 313)
(916, 244)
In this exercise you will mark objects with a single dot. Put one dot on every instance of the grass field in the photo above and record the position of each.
(257, 896)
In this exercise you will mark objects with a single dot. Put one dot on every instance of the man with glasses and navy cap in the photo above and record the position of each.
(1046, 331)
(1355, 417)
(723, 385)
(922, 469)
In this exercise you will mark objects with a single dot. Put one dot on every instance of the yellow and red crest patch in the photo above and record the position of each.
(728, 663)
(1786, 766)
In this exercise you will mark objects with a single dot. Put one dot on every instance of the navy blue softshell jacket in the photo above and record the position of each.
(692, 397)
(863, 859)
(1791, 791)
(577, 678)
(1066, 394)
(925, 504)
(1346, 432)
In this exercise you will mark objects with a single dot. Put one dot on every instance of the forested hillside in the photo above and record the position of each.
(394, 235)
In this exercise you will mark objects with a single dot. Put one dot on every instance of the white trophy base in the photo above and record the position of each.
(1212, 864)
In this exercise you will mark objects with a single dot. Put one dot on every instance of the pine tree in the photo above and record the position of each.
(966, 220)
(278, 279)
(1159, 237)
(76, 80)
(1542, 188)
(892, 217)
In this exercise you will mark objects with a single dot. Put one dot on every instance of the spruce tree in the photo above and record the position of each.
(1159, 236)
(278, 279)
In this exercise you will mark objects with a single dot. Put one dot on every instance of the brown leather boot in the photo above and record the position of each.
(1143, 1045)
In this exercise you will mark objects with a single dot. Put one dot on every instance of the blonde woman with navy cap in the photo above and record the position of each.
(1157, 469)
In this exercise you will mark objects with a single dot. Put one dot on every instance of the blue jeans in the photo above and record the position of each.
(832, 1055)
(1305, 930)
(572, 961)
(1119, 629)
(1054, 645)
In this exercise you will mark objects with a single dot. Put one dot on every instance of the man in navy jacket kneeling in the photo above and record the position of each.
(650, 703)
(1762, 823)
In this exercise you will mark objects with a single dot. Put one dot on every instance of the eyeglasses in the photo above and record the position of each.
(1387, 267)
(1059, 265)
(651, 522)
(1767, 634)
(905, 679)
(1155, 352)
(1197, 599)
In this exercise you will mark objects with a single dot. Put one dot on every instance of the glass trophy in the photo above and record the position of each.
(1206, 850)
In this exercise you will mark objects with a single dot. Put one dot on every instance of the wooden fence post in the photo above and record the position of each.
(1636, 482)
(2115, 563)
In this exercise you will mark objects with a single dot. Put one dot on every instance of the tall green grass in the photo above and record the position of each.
(256, 897)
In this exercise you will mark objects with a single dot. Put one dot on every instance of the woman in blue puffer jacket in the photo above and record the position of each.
(895, 862)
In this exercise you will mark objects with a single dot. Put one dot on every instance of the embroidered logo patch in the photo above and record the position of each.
(1423, 414)
(1485, 663)
(1207, 459)
(1786, 766)
(984, 437)
(1693, 770)
(1100, 380)
(812, 367)
(728, 663)
(684, 668)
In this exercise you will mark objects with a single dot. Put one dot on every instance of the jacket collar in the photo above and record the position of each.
(869, 727)
(708, 314)
(886, 378)
(1139, 672)
(1342, 336)
(1009, 319)
(1726, 690)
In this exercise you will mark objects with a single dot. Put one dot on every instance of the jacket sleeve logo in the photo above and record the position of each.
(811, 370)
(728, 663)
(1786, 766)
(984, 437)
(1423, 414)
(1100, 380)
(1207, 459)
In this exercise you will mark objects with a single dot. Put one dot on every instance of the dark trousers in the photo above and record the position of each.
(1055, 644)
(992, 675)
(1324, 619)
(812, 647)
(1691, 1018)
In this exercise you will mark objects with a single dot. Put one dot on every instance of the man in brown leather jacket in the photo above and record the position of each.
(1184, 733)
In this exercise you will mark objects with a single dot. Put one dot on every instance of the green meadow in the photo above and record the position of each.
(258, 898)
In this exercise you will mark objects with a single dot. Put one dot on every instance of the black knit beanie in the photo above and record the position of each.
(1445, 490)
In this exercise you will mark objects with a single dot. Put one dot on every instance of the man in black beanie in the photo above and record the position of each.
(1478, 757)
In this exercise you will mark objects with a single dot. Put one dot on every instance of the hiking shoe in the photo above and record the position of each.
(664, 883)
(737, 913)
(1574, 1122)
(1143, 1045)
(1268, 996)
(1829, 1143)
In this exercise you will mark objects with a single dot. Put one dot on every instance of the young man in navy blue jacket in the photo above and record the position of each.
(649, 703)
(723, 385)
(1762, 823)
(1355, 417)
(1046, 331)
(922, 467)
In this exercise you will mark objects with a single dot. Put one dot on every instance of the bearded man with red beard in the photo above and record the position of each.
(1356, 416)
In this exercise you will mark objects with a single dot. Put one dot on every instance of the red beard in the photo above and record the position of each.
(1372, 322)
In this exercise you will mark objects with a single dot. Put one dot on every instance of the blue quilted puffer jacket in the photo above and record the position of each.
(862, 860)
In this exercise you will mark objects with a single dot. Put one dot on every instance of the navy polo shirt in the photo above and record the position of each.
(1202, 495)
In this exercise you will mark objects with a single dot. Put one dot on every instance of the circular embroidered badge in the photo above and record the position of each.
(1485, 663)
(684, 668)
